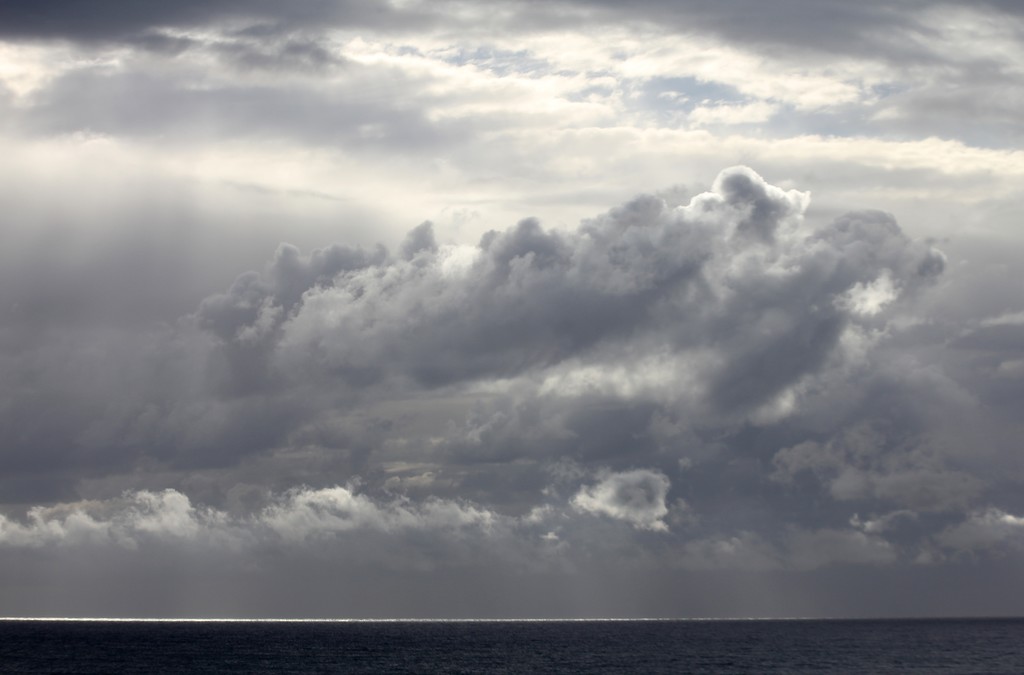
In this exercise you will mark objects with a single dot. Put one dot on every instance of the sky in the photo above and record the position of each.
(355, 308)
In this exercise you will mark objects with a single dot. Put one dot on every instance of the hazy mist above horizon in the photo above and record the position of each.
(356, 308)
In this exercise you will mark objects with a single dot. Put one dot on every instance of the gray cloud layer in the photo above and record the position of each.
(719, 396)
(113, 20)
(661, 388)
(734, 275)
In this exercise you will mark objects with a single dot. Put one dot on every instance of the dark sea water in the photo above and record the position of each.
(782, 646)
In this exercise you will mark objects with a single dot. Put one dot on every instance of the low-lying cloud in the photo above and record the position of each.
(660, 388)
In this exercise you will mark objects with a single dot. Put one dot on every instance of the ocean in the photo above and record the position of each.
(610, 646)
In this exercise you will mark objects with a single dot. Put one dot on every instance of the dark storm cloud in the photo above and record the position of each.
(733, 278)
(659, 395)
(862, 29)
(1007, 338)
(735, 272)
(287, 277)
(117, 20)
(670, 389)
(872, 464)
(735, 295)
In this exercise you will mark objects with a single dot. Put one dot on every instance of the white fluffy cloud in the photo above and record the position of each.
(352, 527)
(637, 497)
(297, 516)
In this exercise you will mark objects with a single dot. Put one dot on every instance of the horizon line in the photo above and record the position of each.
(100, 619)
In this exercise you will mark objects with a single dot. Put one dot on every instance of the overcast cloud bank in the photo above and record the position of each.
(720, 396)
(707, 337)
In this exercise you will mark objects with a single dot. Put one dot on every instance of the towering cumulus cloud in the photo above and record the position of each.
(733, 292)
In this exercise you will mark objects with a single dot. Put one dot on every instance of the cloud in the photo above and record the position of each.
(750, 113)
(316, 513)
(730, 308)
(246, 311)
(722, 375)
(811, 549)
(862, 463)
(297, 516)
(637, 497)
(984, 529)
(349, 526)
(113, 20)
(134, 518)
(647, 335)
(736, 276)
